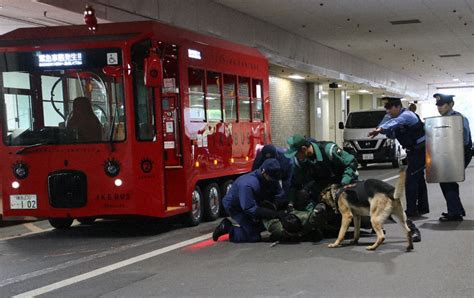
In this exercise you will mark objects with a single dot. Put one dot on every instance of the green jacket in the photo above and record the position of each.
(329, 165)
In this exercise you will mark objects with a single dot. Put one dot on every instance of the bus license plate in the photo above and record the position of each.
(368, 156)
(23, 202)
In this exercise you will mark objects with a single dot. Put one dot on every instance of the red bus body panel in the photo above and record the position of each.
(158, 191)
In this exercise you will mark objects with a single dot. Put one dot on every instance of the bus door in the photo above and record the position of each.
(171, 136)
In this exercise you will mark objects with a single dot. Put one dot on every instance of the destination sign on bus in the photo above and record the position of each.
(60, 59)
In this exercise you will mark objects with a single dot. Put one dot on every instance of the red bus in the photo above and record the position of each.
(136, 119)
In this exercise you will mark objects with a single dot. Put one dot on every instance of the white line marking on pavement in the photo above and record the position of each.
(33, 228)
(390, 178)
(103, 270)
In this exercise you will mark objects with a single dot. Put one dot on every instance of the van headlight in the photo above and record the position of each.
(389, 143)
(347, 144)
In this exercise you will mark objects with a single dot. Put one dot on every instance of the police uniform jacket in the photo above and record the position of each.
(248, 191)
(407, 128)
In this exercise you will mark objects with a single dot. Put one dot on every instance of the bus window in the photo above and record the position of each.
(257, 107)
(170, 68)
(230, 106)
(244, 99)
(144, 103)
(17, 101)
(213, 96)
(43, 85)
(196, 94)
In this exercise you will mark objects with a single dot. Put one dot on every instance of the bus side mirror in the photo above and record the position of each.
(153, 70)
(341, 125)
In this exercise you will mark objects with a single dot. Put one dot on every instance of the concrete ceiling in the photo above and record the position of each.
(362, 28)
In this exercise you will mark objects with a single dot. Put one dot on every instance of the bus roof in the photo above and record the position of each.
(116, 32)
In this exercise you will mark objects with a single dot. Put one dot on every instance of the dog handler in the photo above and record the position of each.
(450, 190)
(317, 165)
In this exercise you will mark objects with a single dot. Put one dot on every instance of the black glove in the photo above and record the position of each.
(265, 213)
(282, 205)
(268, 205)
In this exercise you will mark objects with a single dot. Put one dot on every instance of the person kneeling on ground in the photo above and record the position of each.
(243, 200)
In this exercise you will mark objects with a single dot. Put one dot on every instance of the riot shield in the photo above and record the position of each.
(444, 149)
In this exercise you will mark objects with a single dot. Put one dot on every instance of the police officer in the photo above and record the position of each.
(243, 203)
(317, 165)
(450, 190)
(408, 129)
(271, 151)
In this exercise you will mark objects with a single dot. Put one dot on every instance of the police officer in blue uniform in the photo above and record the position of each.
(244, 200)
(408, 129)
(271, 151)
(450, 190)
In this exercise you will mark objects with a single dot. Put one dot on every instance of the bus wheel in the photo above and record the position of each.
(61, 223)
(212, 202)
(86, 220)
(225, 187)
(194, 217)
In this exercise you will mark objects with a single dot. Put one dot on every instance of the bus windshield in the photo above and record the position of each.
(62, 97)
(369, 119)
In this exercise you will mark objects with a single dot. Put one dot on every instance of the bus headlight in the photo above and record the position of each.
(112, 168)
(20, 170)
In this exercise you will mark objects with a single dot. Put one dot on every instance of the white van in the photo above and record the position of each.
(365, 149)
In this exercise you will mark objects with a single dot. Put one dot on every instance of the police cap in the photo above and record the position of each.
(392, 101)
(271, 166)
(269, 151)
(441, 99)
(295, 142)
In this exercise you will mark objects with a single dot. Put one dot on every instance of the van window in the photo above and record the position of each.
(369, 119)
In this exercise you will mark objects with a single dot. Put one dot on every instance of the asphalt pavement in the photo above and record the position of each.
(136, 259)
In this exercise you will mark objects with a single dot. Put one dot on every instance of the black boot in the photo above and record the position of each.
(415, 233)
(222, 229)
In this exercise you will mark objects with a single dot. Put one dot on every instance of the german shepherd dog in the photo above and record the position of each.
(382, 200)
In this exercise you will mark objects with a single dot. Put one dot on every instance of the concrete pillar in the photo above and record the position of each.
(374, 101)
(316, 119)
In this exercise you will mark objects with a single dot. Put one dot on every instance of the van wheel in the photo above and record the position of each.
(212, 202)
(61, 223)
(225, 188)
(194, 217)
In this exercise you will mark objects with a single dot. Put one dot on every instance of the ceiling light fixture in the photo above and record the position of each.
(295, 77)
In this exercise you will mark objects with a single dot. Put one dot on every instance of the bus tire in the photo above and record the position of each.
(225, 187)
(212, 202)
(61, 223)
(86, 220)
(194, 217)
